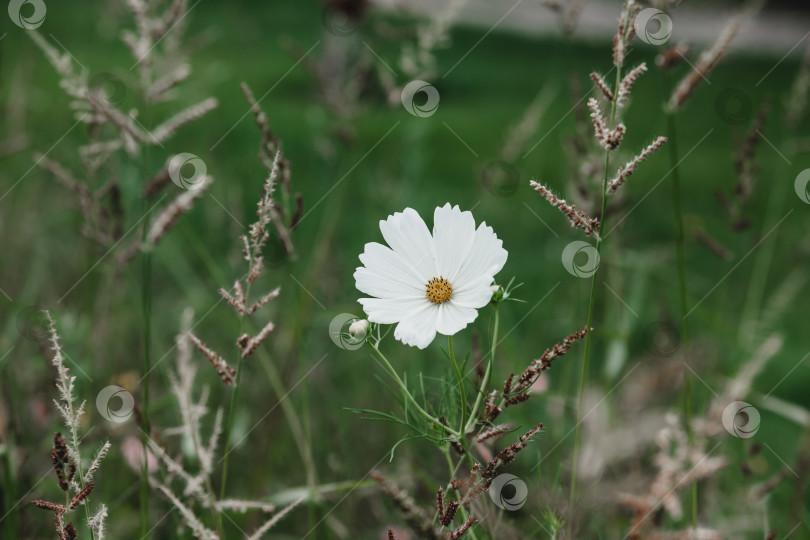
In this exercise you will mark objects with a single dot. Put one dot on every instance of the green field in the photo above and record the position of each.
(296, 391)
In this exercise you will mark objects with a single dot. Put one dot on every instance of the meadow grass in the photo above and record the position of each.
(420, 164)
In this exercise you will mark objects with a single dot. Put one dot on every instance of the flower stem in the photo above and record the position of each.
(680, 249)
(485, 381)
(592, 303)
(461, 389)
(408, 394)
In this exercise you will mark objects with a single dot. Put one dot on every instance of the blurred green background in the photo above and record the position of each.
(393, 160)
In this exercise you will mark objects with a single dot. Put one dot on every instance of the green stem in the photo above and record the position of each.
(146, 308)
(592, 303)
(677, 204)
(485, 381)
(461, 389)
(234, 395)
(407, 392)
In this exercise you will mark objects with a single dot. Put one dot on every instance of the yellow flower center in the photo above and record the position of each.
(438, 290)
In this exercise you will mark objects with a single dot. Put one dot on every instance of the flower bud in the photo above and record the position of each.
(358, 329)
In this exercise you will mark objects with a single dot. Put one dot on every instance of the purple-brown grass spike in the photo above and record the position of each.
(440, 503)
(493, 433)
(82, 495)
(60, 530)
(458, 533)
(599, 122)
(577, 217)
(705, 64)
(391, 534)
(602, 85)
(52, 507)
(491, 411)
(614, 138)
(626, 171)
(249, 345)
(226, 372)
(672, 56)
(60, 458)
(625, 32)
(544, 362)
(627, 83)
(449, 513)
(263, 300)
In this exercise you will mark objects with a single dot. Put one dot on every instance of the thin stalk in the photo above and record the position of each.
(146, 313)
(407, 392)
(592, 302)
(485, 381)
(234, 395)
(461, 389)
(677, 205)
(453, 469)
(304, 448)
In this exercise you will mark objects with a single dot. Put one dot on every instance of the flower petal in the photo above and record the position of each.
(419, 328)
(408, 235)
(453, 318)
(386, 274)
(392, 310)
(474, 294)
(453, 232)
(486, 257)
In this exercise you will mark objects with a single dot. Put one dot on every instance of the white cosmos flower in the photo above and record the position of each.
(429, 283)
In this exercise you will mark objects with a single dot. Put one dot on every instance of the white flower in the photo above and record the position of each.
(429, 283)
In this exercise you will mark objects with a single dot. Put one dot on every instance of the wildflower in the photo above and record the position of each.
(429, 283)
